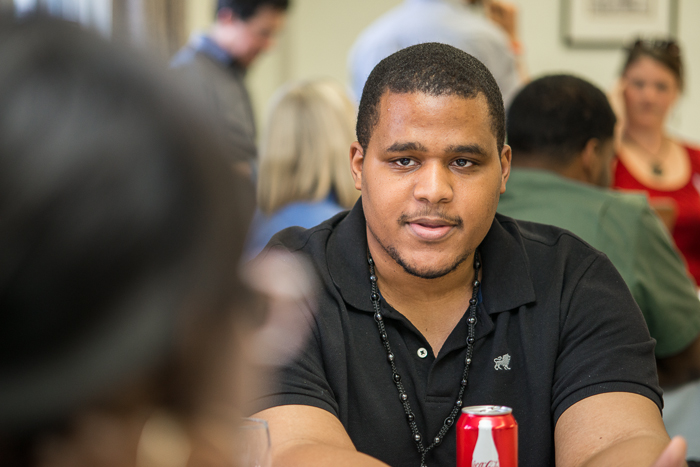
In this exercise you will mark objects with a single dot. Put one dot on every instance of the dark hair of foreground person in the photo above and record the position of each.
(121, 228)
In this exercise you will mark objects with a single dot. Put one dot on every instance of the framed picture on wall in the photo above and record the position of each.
(613, 23)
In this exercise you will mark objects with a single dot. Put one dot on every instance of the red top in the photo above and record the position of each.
(686, 232)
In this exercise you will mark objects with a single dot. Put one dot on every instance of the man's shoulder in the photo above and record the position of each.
(544, 249)
(188, 59)
(200, 56)
(540, 249)
(528, 187)
(634, 201)
(615, 205)
(625, 213)
(183, 57)
(526, 232)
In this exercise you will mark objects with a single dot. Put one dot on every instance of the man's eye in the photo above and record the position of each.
(463, 163)
(404, 161)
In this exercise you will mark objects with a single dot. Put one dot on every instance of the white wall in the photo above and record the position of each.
(319, 34)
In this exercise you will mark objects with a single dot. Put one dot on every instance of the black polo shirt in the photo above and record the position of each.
(553, 304)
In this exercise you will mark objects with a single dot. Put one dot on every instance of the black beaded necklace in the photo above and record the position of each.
(403, 396)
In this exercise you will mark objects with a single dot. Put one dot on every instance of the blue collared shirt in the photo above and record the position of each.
(201, 43)
(305, 214)
(445, 21)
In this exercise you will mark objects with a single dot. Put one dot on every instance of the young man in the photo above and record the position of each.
(216, 64)
(425, 290)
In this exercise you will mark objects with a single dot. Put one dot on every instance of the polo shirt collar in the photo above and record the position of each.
(506, 280)
(347, 259)
(503, 288)
(205, 45)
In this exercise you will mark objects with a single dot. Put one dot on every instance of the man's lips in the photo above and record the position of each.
(430, 229)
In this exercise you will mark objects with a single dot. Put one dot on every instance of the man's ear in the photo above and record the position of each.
(590, 159)
(506, 158)
(357, 158)
(226, 16)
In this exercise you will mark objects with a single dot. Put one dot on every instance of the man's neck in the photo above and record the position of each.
(572, 171)
(433, 306)
(220, 40)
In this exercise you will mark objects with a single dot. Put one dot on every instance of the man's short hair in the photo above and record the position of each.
(555, 117)
(433, 69)
(245, 9)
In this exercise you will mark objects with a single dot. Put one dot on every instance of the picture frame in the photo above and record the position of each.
(615, 23)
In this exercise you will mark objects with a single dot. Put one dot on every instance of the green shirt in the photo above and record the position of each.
(624, 227)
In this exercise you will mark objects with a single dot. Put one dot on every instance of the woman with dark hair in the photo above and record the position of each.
(651, 160)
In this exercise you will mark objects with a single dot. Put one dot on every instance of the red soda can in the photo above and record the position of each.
(487, 436)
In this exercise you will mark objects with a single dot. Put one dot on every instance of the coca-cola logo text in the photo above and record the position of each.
(485, 464)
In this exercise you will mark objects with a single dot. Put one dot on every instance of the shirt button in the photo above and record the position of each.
(422, 353)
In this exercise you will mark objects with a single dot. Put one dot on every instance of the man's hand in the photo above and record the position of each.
(615, 428)
(504, 14)
(673, 455)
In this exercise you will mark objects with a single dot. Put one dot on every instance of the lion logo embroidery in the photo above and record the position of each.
(502, 362)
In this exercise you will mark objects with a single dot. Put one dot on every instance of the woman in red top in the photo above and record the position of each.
(649, 159)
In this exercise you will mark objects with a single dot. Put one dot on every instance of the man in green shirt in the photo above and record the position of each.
(560, 129)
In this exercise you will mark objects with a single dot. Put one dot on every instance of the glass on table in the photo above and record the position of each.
(254, 443)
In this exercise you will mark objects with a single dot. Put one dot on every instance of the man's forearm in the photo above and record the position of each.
(321, 455)
(639, 451)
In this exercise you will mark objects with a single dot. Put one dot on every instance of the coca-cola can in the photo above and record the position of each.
(487, 436)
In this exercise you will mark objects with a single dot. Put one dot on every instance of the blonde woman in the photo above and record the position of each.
(304, 175)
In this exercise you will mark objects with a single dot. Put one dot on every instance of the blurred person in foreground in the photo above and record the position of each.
(651, 160)
(486, 29)
(560, 129)
(304, 176)
(426, 291)
(215, 64)
(123, 323)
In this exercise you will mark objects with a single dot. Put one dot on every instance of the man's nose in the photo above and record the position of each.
(433, 184)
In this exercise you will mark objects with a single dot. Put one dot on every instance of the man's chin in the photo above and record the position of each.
(426, 268)
(430, 272)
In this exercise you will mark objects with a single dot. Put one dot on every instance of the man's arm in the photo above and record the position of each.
(616, 428)
(505, 15)
(307, 436)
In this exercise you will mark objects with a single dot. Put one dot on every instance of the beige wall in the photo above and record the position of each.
(319, 34)
(545, 53)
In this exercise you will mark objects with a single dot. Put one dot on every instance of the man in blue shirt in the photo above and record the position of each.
(215, 65)
(451, 22)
